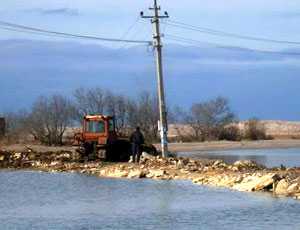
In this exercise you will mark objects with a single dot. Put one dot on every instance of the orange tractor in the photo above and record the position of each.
(99, 140)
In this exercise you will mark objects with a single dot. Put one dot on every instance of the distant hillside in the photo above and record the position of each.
(276, 129)
(280, 129)
(263, 85)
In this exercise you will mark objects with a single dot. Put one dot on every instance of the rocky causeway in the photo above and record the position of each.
(245, 176)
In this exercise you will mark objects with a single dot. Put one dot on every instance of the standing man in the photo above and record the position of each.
(137, 140)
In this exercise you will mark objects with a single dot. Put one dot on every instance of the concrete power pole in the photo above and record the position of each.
(163, 124)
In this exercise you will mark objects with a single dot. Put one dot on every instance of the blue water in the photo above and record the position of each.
(268, 157)
(34, 200)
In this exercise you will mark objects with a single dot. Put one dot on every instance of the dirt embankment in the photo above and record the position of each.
(179, 147)
(242, 175)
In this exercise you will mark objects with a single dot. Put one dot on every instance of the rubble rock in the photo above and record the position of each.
(199, 180)
(293, 188)
(180, 164)
(147, 156)
(219, 163)
(281, 187)
(229, 181)
(246, 164)
(116, 173)
(156, 173)
(136, 174)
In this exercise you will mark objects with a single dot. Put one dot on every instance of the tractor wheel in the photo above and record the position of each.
(87, 151)
(101, 154)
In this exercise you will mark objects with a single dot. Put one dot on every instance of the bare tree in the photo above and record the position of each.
(143, 112)
(49, 119)
(117, 106)
(209, 118)
(132, 114)
(91, 101)
(148, 114)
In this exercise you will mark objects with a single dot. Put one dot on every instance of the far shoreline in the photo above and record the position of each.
(231, 145)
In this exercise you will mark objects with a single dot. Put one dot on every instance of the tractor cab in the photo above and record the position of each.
(99, 129)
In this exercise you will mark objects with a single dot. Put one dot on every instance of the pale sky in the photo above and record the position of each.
(274, 19)
(30, 68)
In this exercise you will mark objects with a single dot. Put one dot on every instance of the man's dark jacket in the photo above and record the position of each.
(137, 138)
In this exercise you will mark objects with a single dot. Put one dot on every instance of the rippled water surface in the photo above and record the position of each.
(268, 157)
(33, 200)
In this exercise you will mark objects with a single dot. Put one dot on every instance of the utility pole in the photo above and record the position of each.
(163, 124)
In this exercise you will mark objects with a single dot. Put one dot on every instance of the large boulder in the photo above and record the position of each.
(282, 187)
(257, 183)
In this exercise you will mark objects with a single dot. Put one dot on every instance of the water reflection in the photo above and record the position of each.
(31, 200)
(229, 159)
(268, 157)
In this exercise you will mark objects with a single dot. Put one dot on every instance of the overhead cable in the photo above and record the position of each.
(22, 28)
(220, 46)
(226, 34)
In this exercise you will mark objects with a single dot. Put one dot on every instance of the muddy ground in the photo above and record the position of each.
(179, 147)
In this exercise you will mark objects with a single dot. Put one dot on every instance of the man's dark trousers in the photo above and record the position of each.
(136, 152)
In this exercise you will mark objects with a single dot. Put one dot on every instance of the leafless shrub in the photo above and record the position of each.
(230, 133)
(15, 130)
(49, 119)
(255, 130)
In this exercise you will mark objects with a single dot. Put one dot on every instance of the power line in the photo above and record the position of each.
(22, 28)
(130, 27)
(29, 32)
(232, 48)
(226, 34)
(128, 32)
